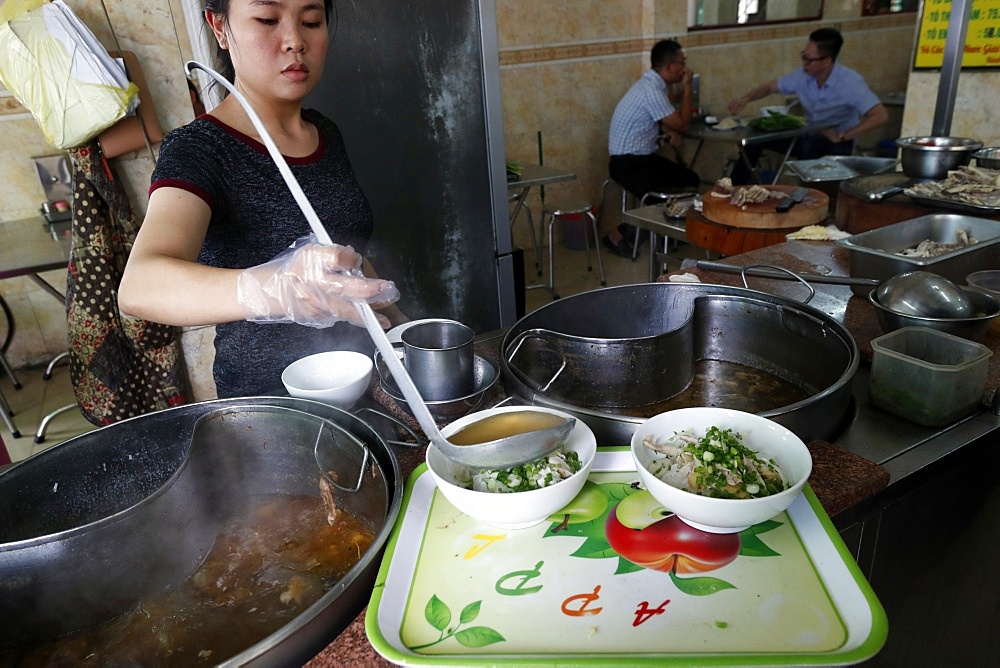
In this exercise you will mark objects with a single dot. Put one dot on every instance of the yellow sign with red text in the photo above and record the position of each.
(982, 41)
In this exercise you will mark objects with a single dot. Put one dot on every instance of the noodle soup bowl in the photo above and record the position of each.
(769, 439)
(511, 510)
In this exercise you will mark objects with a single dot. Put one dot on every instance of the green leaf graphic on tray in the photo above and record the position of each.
(700, 586)
(438, 614)
(469, 612)
(478, 636)
(752, 546)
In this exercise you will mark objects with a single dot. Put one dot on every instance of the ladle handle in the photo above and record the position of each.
(402, 378)
(406, 386)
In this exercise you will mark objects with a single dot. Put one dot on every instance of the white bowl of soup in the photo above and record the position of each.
(467, 489)
(741, 469)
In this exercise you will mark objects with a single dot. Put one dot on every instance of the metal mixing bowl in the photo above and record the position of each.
(986, 305)
(933, 157)
(988, 157)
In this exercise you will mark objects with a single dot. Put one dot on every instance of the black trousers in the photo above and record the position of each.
(641, 174)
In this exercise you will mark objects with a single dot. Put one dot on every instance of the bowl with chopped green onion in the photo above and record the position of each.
(718, 469)
(521, 496)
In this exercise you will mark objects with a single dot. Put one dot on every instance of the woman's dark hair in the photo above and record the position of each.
(223, 62)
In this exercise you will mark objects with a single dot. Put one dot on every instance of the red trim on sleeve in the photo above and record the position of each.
(183, 185)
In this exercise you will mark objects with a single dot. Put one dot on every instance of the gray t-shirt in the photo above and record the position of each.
(254, 218)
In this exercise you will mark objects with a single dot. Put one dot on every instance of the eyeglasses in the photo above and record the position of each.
(807, 59)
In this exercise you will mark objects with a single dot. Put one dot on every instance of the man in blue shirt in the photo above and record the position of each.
(645, 119)
(831, 94)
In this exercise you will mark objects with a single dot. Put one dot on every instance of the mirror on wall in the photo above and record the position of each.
(732, 13)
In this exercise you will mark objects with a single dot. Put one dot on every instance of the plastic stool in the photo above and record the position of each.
(556, 210)
(625, 199)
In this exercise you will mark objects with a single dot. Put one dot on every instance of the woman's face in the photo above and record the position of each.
(278, 47)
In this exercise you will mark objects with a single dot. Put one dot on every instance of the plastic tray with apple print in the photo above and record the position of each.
(615, 577)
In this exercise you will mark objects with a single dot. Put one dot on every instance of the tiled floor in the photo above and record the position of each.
(38, 397)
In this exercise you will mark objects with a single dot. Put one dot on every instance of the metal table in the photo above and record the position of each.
(32, 245)
(654, 220)
(745, 138)
(533, 175)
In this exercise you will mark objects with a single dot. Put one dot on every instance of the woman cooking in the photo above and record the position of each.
(223, 241)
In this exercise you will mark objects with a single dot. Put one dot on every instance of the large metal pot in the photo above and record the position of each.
(934, 157)
(93, 524)
(729, 328)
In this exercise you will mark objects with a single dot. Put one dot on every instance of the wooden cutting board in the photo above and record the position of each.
(762, 216)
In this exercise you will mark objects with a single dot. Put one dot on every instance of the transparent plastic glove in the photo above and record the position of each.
(311, 284)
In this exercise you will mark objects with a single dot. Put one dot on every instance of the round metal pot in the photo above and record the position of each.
(934, 157)
(102, 520)
(988, 158)
(723, 325)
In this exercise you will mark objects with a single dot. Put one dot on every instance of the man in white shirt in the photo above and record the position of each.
(644, 119)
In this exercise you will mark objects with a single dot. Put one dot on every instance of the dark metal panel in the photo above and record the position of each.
(410, 88)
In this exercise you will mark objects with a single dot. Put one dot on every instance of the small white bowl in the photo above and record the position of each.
(337, 377)
(768, 438)
(515, 510)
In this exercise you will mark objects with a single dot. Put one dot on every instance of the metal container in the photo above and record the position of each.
(876, 253)
(934, 157)
(728, 327)
(81, 523)
(988, 157)
(986, 305)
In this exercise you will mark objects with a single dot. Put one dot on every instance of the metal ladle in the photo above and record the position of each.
(505, 452)
(923, 293)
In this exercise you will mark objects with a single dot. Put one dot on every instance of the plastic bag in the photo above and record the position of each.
(52, 63)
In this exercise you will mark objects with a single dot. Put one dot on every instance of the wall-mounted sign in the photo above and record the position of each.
(982, 42)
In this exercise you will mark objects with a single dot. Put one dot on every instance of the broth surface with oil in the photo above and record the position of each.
(268, 564)
(502, 425)
(723, 384)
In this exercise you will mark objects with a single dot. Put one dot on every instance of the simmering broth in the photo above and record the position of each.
(502, 425)
(270, 563)
(728, 385)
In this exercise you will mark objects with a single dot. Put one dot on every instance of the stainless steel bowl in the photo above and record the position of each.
(933, 157)
(988, 157)
(986, 305)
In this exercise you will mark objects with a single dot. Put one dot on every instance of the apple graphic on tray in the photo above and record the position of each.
(645, 533)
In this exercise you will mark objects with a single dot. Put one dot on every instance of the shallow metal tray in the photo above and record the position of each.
(954, 205)
(875, 254)
(840, 167)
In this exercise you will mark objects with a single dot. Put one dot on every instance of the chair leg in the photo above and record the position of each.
(534, 241)
(550, 286)
(52, 365)
(40, 434)
(6, 413)
(597, 248)
(9, 372)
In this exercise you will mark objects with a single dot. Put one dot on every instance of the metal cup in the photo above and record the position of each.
(439, 358)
